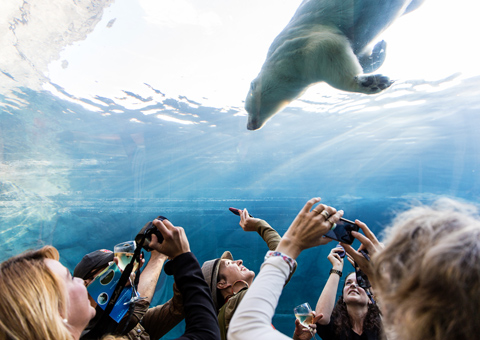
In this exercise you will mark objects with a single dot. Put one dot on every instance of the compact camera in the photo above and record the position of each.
(144, 236)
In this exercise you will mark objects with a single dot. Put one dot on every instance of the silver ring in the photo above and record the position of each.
(325, 214)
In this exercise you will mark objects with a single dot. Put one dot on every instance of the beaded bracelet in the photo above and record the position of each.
(334, 271)
(291, 262)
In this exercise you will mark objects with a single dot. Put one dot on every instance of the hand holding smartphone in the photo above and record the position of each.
(341, 253)
(237, 211)
(342, 231)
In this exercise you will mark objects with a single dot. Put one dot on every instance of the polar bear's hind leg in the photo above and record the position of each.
(373, 83)
(340, 67)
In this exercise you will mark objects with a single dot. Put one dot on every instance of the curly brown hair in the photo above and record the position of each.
(342, 323)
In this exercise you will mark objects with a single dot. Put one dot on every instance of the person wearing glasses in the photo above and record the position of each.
(355, 315)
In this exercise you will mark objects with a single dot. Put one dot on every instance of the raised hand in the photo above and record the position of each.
(175, 240)
(246, 222)
(368, 242)
(309, 226)
(335, 259)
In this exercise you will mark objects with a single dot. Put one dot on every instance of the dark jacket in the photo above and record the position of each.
(190, 289)
(200, 315)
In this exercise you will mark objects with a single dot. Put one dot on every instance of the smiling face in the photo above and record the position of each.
(79, 310)
(231, 271)
(352, 293)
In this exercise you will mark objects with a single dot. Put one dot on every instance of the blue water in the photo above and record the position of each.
(81, 181)
(83, 177)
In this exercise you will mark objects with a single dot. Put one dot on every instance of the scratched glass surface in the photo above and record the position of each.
(112, 113)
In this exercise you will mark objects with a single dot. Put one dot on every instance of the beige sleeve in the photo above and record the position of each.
(269, 235)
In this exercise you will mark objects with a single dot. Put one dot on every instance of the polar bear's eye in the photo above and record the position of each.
(253, 85)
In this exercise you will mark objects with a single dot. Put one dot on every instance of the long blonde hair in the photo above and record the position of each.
(428, 276)
(33, 301)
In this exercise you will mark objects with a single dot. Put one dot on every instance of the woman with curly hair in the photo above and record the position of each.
(354, 316)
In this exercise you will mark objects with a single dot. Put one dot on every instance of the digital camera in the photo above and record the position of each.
(144, 236)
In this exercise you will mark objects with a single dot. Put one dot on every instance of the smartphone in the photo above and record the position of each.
(237, 211)
(342, 231)
(341, 253)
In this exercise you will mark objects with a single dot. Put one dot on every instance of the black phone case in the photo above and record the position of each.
(343, 231)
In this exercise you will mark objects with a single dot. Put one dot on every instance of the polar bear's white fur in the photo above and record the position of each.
(326, 40)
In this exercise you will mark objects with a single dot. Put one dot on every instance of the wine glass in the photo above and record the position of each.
(124, 252)
(304, 314)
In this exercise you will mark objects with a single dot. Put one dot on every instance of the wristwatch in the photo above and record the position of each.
(334, 271)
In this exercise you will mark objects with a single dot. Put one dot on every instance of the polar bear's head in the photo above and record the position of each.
(269, 93)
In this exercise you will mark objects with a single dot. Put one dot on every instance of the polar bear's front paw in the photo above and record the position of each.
(373, 83)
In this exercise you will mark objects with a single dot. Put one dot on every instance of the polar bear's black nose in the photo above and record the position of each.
(251, 127)
(253, 124)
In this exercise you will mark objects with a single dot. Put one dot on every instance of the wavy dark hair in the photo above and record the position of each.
(342, 323)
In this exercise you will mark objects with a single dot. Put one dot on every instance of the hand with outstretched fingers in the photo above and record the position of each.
(368, 242)
(246, 222)
(308, 228)
(175, 240)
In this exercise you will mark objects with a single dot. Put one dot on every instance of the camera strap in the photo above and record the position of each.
(131, 307)
(101, 327)
(123, 281)
(362, 279)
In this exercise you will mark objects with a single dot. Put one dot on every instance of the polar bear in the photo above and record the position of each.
(329, 41)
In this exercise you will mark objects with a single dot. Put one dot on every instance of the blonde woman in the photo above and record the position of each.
(39, 298)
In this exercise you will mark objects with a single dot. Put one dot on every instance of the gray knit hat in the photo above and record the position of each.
(210, 273)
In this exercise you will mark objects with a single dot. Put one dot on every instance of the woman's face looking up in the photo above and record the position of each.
(79, 311)
(352, 293)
